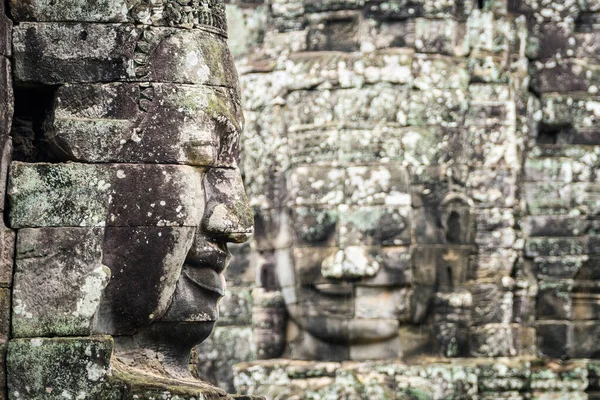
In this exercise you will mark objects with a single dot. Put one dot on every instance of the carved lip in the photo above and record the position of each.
(335, 289)
(207, 278)
(213, 254)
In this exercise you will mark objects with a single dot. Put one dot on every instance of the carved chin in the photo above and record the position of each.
(193, 301)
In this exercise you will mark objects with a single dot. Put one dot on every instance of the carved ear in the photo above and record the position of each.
(269, 322)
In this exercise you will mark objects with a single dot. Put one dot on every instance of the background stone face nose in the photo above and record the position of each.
(349, 263)
(228, 214)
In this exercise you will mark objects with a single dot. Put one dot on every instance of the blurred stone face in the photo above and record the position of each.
(350, 225)
(143, 132)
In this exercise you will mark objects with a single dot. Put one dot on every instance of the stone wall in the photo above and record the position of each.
(484, 116)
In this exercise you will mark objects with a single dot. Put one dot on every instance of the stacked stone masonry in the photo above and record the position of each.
(424, 176)
(122, 192)
(427, 170)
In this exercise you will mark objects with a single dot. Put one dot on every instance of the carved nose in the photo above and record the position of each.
(227, 215)
(349, 263)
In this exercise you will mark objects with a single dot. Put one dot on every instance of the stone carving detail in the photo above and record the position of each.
(124, 192)
(183, 14)
(186, 14)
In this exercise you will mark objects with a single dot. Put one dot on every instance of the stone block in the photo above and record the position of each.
(7, 255)
(334, 31)
(395, 268)
(242, 268)
(495, 229)
(492, 188)
(429, 145)
(314, 145)
(574, 111)
(554, 225)
(382, 303)
(374, 225)
(569, 75)
(378, 350)
(235, 308)
(384, 185)
(549, 246)
(394, 9)
(141, 12)
(326, 299)
(73, 10)
(495, 34)
(554, 338)
(373, 104)
(569, 378)
(554, 169)
(547, 198)
(559, 267)
(5, 304)
(590, 269)
(6, 98)
(59, 279)
(524, 340)
(586, 198)
(53, 368)
(46, 195)
(307, 263)
(491, 304)
(269, 319)
(494, 264)
(271, 228)
(451, 340)
(490, 144)
(6, 26)
(57, 53)
(307, 347)
(503, 376)
(440, 72)
(148, 260)
(554, 300)
(586, 301)
(388, 33)
(224, 348)
(315, 226)
(306, 107)
(454, 9)
(311, 185)
(150, 123)
(438, 107)
(441, 36)
(493, 340)
(444, 266)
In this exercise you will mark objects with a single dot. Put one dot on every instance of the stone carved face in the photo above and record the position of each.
(142, 193)
(348, 251)
(373, 241)
(346, 279)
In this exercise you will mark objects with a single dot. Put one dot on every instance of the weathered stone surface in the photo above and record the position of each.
(6, 98)
(46, 195)
(151, 123)
(7, 253)
(227, 346)
(43, 368)
(128, 253)
(59, 280)
(56, 53)
(5, 32)
(73, 10)
(5, 307)
(211, 16)
(555, 338)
